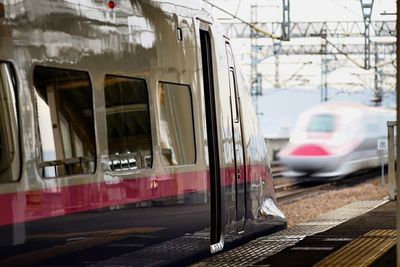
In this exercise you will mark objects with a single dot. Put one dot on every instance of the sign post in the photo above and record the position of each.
(382, 146)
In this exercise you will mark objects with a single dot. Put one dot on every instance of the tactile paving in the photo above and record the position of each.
(259, 249)
(362, 251)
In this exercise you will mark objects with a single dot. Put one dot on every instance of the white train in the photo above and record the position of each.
(126, 136)
(336, 139)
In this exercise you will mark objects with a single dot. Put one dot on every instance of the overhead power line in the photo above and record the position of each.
(252, 26)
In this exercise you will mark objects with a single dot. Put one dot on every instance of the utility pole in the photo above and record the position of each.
(255, 87)
(285, 20)
(378, 78)
(277, 48)
(324, 66)
(366, 7)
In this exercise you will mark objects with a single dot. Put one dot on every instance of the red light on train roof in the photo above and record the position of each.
(111, 4)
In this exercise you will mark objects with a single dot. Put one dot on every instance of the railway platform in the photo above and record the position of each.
(362, 233)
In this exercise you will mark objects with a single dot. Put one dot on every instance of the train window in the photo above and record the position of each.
(9, 132)
(66, 125)
(176, 124)
(235, 107)
(128, 123)
(321, 123)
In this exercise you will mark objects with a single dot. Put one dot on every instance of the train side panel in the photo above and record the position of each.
(113, 147)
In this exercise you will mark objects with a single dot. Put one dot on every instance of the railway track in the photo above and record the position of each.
(277, 169)
(292, 189)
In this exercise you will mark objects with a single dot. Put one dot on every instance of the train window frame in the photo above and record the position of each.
(233, 82)
(10, 170)
(192, 118)
(147, 159)
(314, 124)
(82, 165)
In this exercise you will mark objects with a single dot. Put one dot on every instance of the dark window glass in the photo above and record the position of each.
(128, 123)
(176, 124)
(66, 125)
(321, 123)
(9, 132)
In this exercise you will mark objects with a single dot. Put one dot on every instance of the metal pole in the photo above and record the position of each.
(324, 66)
(398, 135)
(391, 161)
(383, 171)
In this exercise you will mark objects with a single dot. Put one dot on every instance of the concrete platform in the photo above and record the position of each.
(360, 234)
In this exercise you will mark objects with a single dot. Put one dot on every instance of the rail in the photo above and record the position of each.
(295, 190)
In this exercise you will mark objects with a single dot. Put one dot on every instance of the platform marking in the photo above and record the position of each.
(312, 248)
(362, 251)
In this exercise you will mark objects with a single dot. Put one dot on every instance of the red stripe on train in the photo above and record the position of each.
(33, 205)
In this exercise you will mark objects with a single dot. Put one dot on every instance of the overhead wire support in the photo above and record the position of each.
(308, 29)
(253, 26)
(366, 7)
(285, 20)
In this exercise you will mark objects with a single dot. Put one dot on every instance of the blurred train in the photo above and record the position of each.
(127, 136)
(336, 139)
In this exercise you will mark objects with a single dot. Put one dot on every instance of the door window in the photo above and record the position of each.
(176, 124)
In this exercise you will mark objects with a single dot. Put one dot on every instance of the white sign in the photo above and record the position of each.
(382, 144)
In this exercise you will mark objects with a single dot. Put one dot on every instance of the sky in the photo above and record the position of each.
(299, 75)
(308, 10)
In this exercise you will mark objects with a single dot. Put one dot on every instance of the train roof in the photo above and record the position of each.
(345, 107)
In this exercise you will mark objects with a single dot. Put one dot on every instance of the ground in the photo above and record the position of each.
(311, 207)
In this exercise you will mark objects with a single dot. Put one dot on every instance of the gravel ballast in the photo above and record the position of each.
(315, 205)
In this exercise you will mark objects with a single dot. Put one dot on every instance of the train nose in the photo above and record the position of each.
(310, 150)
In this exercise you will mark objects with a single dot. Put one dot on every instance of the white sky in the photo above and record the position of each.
(308, 10)
(304, 72)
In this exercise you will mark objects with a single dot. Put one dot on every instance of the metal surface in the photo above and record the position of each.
(78, 215)
(397, 175)
(391, 160)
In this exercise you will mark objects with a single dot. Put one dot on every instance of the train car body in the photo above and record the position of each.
(336, 139)
(126, 136)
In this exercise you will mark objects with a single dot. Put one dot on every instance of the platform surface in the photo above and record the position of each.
(359, 234)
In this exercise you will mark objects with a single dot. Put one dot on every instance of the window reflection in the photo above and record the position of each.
(9, 140)
(176, 124)
(65, 115)
(128, 123)
(322, 123)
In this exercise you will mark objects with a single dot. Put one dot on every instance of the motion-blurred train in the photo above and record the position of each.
(336, 139)
(127, 136)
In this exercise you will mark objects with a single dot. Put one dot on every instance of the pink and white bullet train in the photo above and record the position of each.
(336, 139)
(127, 136)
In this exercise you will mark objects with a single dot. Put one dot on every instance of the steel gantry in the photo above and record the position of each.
(334, 41)
(341, 39)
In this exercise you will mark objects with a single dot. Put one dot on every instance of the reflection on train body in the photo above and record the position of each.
(126, 134)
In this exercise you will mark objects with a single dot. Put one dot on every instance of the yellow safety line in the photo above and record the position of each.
(362, 251)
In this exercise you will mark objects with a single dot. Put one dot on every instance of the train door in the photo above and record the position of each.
(240, 173)
(212, 140)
